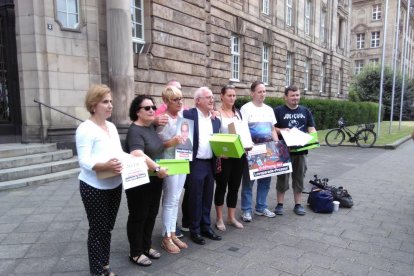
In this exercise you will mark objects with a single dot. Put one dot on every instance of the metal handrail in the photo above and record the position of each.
(41, 117)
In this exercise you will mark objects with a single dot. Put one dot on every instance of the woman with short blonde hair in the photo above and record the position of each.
(173, 184)
(99, 150)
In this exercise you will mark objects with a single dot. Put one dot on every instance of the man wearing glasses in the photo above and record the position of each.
(199, 186)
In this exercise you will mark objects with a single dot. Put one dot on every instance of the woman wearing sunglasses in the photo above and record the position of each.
(143, 201)
(173, 184)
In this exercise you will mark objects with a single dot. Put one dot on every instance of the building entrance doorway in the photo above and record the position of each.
(10, 111)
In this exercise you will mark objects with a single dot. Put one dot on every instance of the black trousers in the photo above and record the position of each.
(143, 205)
(230, 176)
(101, 208)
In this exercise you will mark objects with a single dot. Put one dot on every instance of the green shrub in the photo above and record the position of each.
(327, 112)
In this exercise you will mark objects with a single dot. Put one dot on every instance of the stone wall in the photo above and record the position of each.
(191, 43)
(56, 66)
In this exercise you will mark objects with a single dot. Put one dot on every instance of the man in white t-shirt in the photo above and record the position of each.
(261, 120)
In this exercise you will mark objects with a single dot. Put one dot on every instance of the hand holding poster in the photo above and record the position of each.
(184, 150)
(268, 159)
(134, 172)
(295, 137)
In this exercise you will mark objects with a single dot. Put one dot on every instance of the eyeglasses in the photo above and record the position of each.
(177, 100)
(207, 98)
(148, 107)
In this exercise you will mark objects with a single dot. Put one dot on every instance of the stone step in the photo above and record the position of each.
(16, 149)
(38, 169)
(40, 179)
(38, 158)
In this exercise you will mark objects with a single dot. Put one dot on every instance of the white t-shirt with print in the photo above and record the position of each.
(260, 121)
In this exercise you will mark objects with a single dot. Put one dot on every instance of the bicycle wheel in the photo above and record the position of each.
(334, 137)
(365, 138)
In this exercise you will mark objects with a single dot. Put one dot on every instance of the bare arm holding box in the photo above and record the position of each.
(161, 172)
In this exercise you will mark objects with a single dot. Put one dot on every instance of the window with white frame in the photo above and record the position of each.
(235, 58)
(323, 30)
(265, 64)
(322, 78)
(288, 72)
(376, 12)
(289, 12)
(359, 64)
(265, 8)
(67, 13)
(307, 75)
(375, 39)
(308, 15)
(137, 17)
(360, 41)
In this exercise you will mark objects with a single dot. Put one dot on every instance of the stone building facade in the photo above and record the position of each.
(367, 34)
(61, 50)
(192, 42)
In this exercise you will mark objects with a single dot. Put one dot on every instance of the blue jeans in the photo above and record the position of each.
(263, 186)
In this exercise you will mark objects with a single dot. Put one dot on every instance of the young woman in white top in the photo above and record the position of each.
(231, 168)
(99, 149)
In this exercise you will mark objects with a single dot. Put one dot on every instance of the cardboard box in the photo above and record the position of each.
(106, 174)
(227, 145)
(314, 143)
(174, 166)
(242, 129)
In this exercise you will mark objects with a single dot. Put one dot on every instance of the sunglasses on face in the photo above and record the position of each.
(176, 100)
(148, 107)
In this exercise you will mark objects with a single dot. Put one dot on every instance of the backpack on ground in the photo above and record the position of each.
(339, 194)
(320, 201)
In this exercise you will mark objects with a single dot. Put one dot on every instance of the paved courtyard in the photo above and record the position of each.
(43, 229)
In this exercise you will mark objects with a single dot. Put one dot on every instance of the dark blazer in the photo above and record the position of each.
(193, 115)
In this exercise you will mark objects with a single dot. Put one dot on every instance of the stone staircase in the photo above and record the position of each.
(29, 164)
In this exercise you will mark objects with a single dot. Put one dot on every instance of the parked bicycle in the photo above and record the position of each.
(364, 136)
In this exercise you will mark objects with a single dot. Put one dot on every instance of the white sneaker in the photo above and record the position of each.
(266, 213)
(185, 229)
(246, 217)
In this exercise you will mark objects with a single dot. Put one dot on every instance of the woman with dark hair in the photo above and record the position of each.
(99, 150)
(231, 168)
(144, 200)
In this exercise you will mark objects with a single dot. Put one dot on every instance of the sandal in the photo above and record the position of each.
(169, 246)
(220, 225)
(141, 260)
(108, 271)
(179, 243)
(152, 254)
(234, 222)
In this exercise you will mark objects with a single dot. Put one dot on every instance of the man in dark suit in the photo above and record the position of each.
(199, 185)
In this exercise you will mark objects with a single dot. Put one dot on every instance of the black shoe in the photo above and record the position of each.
(211, 235)
(197, 239)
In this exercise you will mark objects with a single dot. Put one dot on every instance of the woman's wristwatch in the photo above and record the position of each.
(157, 169)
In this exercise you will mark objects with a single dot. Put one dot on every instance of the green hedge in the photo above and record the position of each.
(327, 112)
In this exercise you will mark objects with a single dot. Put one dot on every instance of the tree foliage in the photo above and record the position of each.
(366, 87)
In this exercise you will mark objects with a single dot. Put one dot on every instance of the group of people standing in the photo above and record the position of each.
(154, 136)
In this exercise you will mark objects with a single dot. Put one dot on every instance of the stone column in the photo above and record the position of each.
(120, 58)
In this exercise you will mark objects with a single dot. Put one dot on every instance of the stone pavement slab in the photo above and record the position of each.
(43, 229)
